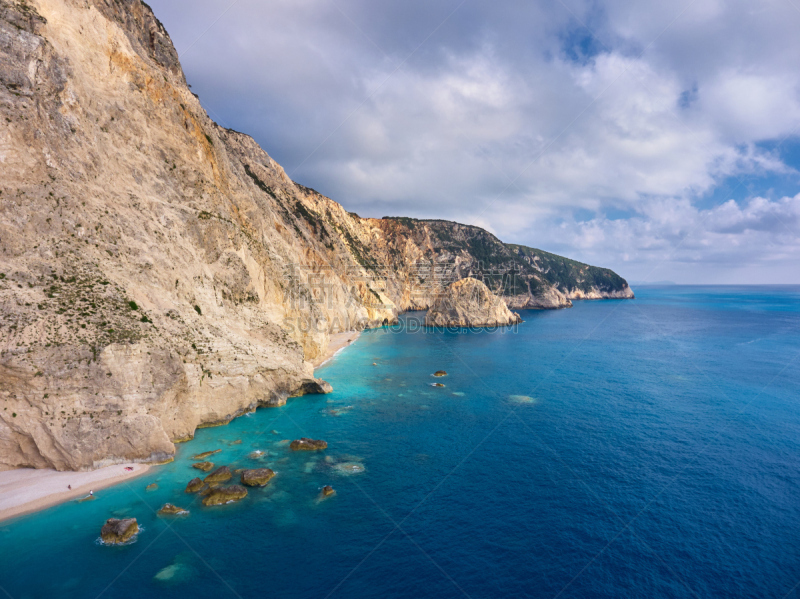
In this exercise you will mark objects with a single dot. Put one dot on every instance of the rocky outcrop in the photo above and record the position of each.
(169, 509)
(115, 531)
(194, 486)
(256, 477)
(205, 454)
(220, 475)
(204, 466)
(223, 495)
(306, 444)
(327, 491)
(469, 303)
(161, 273)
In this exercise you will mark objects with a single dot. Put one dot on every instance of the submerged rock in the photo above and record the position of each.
(117, 531)
(256, 455)
(222, 495)
(327, 491)
(205, 454)
(169, 509)
(306, 444)
(151, 487)
(257, 477)
(204, 466)
(469, 303)
(194, 485)
(220, 475)
(349, 468)
(437, 385)
(440, 373)
(522, 399)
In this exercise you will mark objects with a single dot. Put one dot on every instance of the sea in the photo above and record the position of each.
(620, 449)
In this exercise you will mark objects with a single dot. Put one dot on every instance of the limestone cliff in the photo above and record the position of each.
(158, 272)
(469, 303)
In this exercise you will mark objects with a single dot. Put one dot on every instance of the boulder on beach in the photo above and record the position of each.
(194, 485)
(469, 303)
(327, 491)
(223, 495)
(205, 454)
(116, 531)
(306, 444)
(440, 373)
(204, 466)
(256, 477)
(220, 475)
(169, 509)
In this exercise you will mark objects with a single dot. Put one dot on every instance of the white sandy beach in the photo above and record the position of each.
(28, 490)
(337, 343)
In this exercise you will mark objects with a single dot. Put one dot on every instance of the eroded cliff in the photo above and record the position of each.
(469, 303)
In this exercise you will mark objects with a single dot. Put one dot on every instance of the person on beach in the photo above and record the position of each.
(69, 487)
(91, 493)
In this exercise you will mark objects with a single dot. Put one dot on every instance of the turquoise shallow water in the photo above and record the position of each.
(646, 448)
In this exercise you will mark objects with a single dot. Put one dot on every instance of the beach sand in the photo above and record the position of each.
(28, 490)
(337, 343)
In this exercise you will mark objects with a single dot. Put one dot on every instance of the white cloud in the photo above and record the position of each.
(493, 121)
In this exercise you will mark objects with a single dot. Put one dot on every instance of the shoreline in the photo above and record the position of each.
(27, 490)
(338, 342)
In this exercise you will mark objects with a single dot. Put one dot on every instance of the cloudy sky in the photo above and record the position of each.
(660, 139)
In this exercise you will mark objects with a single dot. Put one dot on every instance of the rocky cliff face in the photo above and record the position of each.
(158, 272)
(469, 303)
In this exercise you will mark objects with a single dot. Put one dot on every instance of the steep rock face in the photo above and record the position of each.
(469, 303)
(427, 255)
(148, 257)
(159, 273)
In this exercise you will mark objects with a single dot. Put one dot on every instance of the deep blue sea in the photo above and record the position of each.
(646, 448)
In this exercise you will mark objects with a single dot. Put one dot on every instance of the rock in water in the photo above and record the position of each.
(222, 495)
(204, 466)
(257, 477)
(327, 491)
(440, 373)
(349, 468)
(172, 510)
(205, 454)
(469, 303)
(313, 387)
(194, 485)
(151, 487)
(117, 531)
(220, 475)
(306, 444)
